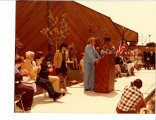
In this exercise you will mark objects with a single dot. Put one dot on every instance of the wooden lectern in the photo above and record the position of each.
(105, 74)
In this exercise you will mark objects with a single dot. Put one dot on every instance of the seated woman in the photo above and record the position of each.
(20, 88)
(44, 73)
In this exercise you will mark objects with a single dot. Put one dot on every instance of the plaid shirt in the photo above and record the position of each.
(130, 99)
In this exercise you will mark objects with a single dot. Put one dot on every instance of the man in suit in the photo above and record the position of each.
(90, 56)
(147, 58)
(30, 65)
(152, 59)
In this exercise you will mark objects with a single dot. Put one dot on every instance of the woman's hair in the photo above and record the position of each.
(39, 54)
(18, 60)
(63, 45)
(137, 83)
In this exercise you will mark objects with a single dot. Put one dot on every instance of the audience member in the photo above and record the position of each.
(150, 109)
(130, 65)
(147, 58)
(30, 65)
(73, 53)
(98, 50)
(139, 61)
(118, 63)
(45, 74)
(132, 99)
(113, 50)
(103, 51)
(82, 63)
(60, 58)
(124, 68)
(152, 59)
(27, 91)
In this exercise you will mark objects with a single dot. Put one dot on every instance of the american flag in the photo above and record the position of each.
(121, 48)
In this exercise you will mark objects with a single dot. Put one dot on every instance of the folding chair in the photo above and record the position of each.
(20, 98)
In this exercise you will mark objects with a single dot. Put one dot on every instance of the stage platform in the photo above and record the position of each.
(79, 101)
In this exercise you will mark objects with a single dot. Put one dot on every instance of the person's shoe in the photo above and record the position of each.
(128, 74)
(63, 94)
(57, 96)
(27, 108)
(87, 89)
(19, 104)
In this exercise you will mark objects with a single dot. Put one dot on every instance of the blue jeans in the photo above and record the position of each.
(46, 84)
(89, 69)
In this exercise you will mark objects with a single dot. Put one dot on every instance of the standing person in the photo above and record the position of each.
(98, 50)
(82, 63)
(113, 50)
(147, 58)
(60, 58)
(90, 56)
(132, 99)
(118, 63)
(73, 53)
(139, 61)
(152, 59)
(103, 51)
(27, 91)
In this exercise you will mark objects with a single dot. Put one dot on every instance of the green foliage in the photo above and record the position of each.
(58, 30)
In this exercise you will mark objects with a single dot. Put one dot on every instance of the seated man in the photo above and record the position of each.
(27, 91)
(30, 65)
(45, 74)
(132, 99)
(118, 62)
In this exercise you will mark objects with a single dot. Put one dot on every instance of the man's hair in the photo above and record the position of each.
(63, 45)
(29, 53)
(39, 54)
(18, 60)
(137, 83)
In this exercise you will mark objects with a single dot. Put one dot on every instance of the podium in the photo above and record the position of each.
(105, 74)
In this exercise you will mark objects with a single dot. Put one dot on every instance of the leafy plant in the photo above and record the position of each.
(18, 44)
(57, 31)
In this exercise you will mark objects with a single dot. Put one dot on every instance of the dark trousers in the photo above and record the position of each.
(27, 96)
(62, 69)
(147, 62)
(46, 84)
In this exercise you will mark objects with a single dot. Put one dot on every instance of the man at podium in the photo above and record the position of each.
(90, 56)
